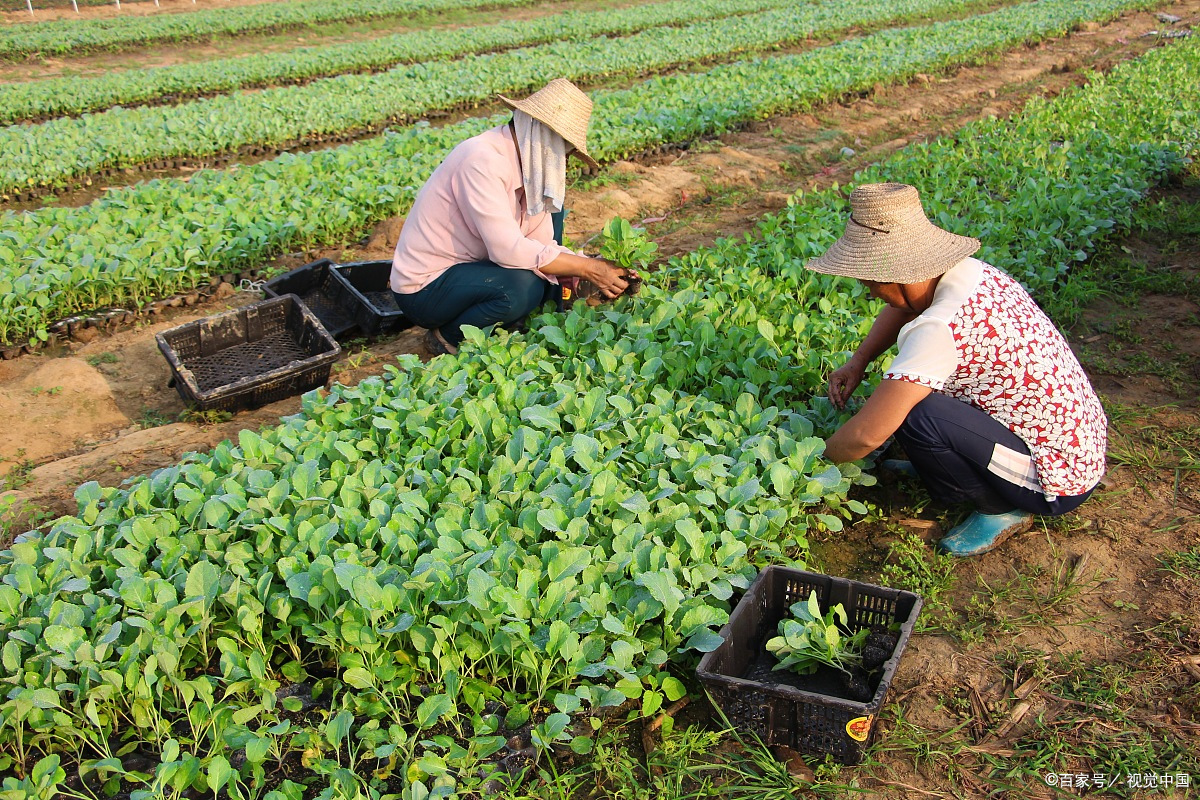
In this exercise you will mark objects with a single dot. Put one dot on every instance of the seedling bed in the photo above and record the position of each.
(807, 713)
(250, 356)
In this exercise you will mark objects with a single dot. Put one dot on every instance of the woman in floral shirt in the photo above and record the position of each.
(985, 395)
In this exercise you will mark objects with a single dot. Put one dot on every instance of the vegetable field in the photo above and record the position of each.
(492, 574)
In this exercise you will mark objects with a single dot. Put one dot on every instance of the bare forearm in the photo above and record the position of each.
(850, 443)
(571, 265)
(884, 412)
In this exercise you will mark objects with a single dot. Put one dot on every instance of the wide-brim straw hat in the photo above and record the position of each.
(561, 105)
(889, 239)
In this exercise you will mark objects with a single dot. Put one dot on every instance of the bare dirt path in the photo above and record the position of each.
(85, 401)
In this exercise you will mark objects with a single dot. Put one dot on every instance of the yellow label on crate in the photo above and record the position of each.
(858, 728)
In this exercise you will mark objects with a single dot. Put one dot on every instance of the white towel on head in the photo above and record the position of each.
(543, 164)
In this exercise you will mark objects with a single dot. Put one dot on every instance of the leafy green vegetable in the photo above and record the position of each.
(539, 532)
(626, 246)
(61, 151)
(809, 639)
(163, 236)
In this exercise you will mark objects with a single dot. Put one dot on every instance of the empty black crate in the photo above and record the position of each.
(250, 356)
(363, 288)
(315, 285)
(803, 712)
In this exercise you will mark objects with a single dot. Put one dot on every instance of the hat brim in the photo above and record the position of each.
(872, 255)
(580, 150)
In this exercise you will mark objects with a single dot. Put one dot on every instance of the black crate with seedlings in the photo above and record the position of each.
(821, 713)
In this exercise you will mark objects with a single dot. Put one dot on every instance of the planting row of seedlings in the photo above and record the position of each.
(163, 237)
(74, 95)
(390, 585)
(73, 36)
(62, 151)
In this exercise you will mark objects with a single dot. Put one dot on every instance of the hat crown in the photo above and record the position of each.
(560, 96)
(886, 206)
(562, 106)
(889, 239)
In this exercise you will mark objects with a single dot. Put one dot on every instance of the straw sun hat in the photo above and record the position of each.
(889, 239)
(561, 105)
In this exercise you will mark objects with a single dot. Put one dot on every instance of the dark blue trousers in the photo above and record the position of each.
(479, 293)
(950, 443)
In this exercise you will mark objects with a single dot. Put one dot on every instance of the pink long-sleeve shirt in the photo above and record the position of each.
(472, 208)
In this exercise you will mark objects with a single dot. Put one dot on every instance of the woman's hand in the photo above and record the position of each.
(843, 381)
(608, 277)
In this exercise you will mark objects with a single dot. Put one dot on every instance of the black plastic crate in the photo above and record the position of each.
(315, 285)
(250, 356)
(807, 713)
(363, 289)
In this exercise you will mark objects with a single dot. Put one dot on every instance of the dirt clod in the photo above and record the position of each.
(85, 335)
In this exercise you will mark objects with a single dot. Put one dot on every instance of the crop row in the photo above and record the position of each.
(74, 95)
(162, 236)
(62, 151)
(550, 521)
(72, 36)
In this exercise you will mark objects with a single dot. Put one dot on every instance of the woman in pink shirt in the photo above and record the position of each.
(985, 395)
(477, 247)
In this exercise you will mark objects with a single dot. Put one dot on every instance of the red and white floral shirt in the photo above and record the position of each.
(986, 342)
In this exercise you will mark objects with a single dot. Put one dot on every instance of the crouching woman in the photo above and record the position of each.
(477, 247)
(985, 396)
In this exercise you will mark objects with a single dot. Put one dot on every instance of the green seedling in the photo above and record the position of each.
(626, 246)
(810, 639)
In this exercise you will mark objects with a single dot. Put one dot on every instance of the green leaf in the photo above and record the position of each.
(783, 479)
(543, 417)
(338, 727)
(203, 581)
(432, 709)
(705, 641)
(661, 585)
(651, 703)
(637, 503)
(673, 688)
(767, 330)
(219, 773)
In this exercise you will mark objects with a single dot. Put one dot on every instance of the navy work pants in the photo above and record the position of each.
(951, 444)
(479, 293)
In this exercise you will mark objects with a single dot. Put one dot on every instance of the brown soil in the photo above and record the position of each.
(93, 428)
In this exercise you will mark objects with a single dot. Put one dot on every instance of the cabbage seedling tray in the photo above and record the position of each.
(803, 712)
(250, 356)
